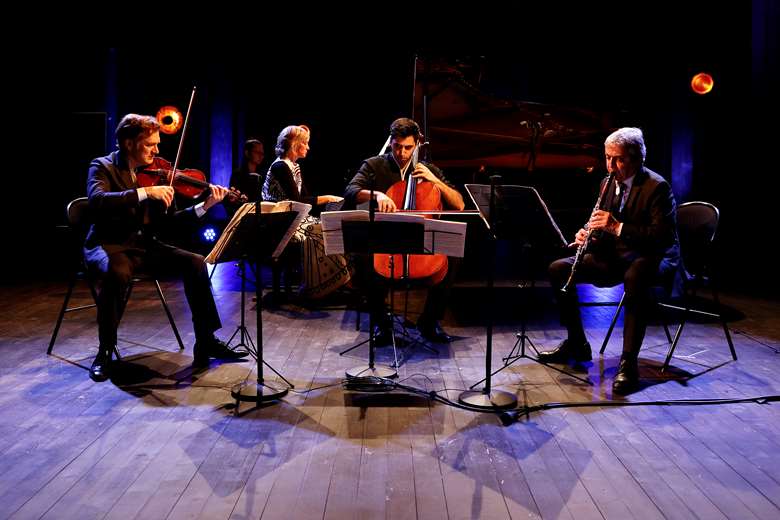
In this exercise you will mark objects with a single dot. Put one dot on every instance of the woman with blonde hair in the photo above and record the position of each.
(284, 180)
(320, 274)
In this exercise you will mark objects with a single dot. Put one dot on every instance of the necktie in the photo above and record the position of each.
(619, 199)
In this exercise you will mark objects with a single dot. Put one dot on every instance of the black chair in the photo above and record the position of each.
(78, 224)
(697, 227)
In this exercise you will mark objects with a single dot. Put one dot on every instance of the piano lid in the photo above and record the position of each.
(468, 127)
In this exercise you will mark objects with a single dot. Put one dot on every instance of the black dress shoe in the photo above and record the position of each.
(627, 378)
(214, 348)
(98, 372)
(567, 351)
(432, 331)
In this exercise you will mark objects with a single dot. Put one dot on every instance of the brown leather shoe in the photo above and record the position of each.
(627, 378)
(567, 351)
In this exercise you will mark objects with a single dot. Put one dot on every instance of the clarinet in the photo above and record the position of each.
(582, 247)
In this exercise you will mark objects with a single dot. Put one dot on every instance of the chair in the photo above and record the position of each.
(78, 224)
(697, 227)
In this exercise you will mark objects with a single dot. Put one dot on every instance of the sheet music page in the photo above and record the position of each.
(445, 237)
(480, 195)
(441, 236)
(227, 233)
(301, 209)
(331, 228)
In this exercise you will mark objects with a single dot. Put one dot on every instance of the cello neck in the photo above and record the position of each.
(410, 194)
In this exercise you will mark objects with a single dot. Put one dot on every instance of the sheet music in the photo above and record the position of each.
(441, 236)
(480, 196)
(301, 209)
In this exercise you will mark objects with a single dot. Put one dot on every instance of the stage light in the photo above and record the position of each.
(170, 119)
(702, 83)
(209, 234)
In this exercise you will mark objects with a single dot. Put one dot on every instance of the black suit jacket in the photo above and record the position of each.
(117, 216)
(385, 172)
(649, 222)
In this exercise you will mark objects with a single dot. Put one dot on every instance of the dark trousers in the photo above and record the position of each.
(115, 271)
(637, 275)
(376, 287)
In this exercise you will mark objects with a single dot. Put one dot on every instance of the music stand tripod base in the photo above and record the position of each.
(494, 400)
(253, 391)
(369, 371)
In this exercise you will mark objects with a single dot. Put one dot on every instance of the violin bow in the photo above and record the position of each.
(183, 132)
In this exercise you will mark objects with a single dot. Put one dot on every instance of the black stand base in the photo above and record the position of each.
(400, 338)
(368, 371)
(257, 392)
(513, 356)
(495, 399)
(244, 339)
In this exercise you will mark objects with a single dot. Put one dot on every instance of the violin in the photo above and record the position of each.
(413, 196)
(188, 182)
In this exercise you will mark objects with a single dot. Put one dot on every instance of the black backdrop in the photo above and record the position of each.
(348, 95)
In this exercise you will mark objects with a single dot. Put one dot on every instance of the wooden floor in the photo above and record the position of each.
(161, 442)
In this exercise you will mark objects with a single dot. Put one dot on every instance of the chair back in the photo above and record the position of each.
(78, 213)
(697, 226)
(78, 225)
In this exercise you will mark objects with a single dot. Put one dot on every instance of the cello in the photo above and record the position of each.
(413, 195)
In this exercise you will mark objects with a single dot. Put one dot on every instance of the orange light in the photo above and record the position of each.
(702, 83)
(170, 119)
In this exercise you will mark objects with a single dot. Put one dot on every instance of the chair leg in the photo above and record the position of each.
(127, 299)
(666, 326)
(71, 285)
(724, 324)
(612, 325)
(662, 311)
(168, 313)
(680, 327)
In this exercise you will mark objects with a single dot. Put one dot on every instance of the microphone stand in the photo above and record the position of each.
(487, 398)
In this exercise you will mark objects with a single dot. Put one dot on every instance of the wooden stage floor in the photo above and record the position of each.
(160, 441)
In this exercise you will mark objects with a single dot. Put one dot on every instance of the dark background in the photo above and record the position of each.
(715, 148)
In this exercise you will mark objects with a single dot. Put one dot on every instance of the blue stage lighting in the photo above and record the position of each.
(209, 234)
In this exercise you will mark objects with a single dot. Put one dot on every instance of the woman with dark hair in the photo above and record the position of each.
(246, 178)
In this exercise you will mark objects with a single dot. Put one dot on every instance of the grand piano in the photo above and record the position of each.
(469, 126)
(474, 133)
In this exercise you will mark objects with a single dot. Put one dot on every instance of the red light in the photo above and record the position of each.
(170, 119)
(702, 83)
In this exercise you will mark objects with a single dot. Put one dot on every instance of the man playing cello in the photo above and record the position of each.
(387, 170)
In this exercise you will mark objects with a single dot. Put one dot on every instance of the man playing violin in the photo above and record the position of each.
(386, 170)
(126, 219)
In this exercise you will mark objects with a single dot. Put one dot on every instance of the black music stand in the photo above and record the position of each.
(519, 213)
(256, 235)
(382, 237)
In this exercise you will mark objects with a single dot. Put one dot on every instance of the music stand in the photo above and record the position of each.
(257, 235)
(519, 213)
(380, 237)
